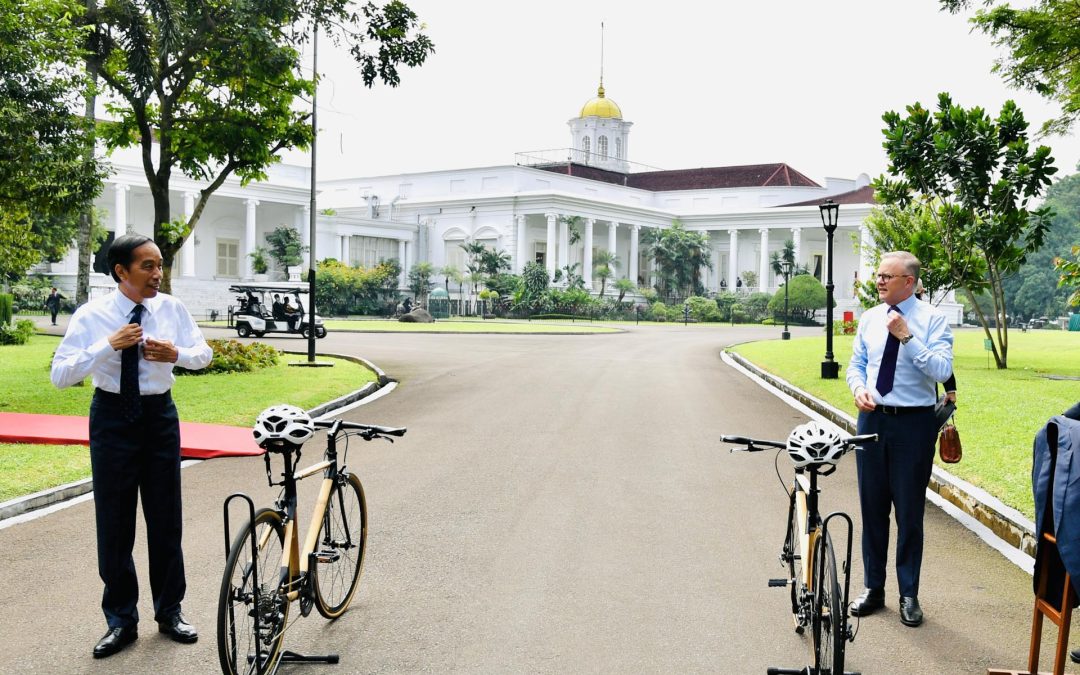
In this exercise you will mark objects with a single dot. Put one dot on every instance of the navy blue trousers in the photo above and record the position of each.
(894, 473)
(129, 460)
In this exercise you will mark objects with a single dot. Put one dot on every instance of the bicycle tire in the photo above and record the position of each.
(793, 558)
(830, 617)
(242, 651)
(342, 541)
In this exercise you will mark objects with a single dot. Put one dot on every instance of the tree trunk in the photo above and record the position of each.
(168, 248)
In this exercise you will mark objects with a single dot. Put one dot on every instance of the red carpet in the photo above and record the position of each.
(197, 441)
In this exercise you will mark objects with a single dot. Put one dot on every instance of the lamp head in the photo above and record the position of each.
(785, 265)
(830, 212)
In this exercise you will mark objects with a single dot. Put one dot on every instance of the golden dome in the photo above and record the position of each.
(601, 107)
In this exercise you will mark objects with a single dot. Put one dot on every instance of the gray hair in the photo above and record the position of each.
(911, 263)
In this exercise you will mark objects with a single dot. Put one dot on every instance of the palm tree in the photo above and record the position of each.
(679, 254)
(624, 286)
(449, 273)
(605, 263)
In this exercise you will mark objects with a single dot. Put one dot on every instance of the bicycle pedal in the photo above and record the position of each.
(326, 556)
(778, 583)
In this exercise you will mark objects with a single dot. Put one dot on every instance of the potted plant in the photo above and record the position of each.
(286, 249)
(259, 264)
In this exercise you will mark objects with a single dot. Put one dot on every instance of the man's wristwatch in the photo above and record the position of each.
(906, 339)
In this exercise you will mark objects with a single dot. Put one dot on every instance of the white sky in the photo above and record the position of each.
(705, 84)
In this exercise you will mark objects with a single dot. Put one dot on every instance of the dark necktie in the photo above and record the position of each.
(129, 374)
(887, 371)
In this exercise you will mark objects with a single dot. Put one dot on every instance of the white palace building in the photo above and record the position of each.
(748, 213)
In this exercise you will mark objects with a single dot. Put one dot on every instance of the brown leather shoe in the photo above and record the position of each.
(178, 629)
(115, 640)
(871, 600)
(910, 612)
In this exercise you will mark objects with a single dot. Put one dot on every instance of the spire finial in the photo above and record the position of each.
(600, 90)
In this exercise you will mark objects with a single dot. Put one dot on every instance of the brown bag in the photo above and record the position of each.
(949, 447)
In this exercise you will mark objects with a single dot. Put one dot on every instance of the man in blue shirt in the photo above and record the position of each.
(902, 349)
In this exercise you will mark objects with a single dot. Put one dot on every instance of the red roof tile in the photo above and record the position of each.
(752, 175)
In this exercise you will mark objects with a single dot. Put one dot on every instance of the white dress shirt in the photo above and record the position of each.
(924, 360)
(85, 349)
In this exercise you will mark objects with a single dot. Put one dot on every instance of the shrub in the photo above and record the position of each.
(658, 311)
(756, 306)
(18, 334)
(703, 309)
(233, 356)
(806, 295)
(738, 313)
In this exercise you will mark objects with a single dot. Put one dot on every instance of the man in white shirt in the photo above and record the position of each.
(902, 349)
(128, 342)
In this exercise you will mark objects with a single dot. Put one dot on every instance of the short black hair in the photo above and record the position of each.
(121, 250)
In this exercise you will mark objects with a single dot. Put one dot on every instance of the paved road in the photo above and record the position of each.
(561, 504)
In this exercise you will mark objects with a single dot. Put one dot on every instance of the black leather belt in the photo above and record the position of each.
(145, 397)
(896, 410)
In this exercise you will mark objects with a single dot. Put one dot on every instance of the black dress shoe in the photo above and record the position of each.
(115, 640)
(871, 600)
(910, 612)
(1075, 655)
(178, 629)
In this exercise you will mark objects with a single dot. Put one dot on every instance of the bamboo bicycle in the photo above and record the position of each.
(266, 569)
(816, 599)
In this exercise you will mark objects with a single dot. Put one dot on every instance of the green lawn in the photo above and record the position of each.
(233, 399)
(999, 411)
(454, 326)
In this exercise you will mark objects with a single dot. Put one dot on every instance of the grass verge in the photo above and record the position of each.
(233, 399)
(999, 411)
(453, 326)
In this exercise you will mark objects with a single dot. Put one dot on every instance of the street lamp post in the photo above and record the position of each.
(830, 369)
(785, 267)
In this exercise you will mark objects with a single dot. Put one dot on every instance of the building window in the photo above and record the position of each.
(367, 252)
(585, 147)
(454, 255)
(601, 147)
(228, 258)
(540, 252)
(618, 148)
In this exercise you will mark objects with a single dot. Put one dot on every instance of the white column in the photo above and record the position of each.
(249, 236)
(796, 236)
(763, 260)
(586, 253)
(187, 251)
(403, 280)
(343, 246)
(522, 251)
(304, 214)
(733, 260)
(718, 273)
(634, 231)
(549, 255)
(564, 244)
(120, 209)
(864, 253)
(612, 233)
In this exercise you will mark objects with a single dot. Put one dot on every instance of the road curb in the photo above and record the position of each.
(62, 493)
(1007, 523)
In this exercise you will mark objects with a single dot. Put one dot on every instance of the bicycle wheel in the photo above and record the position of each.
(793, 558)
(830, 618)
(242, 648)
(340, 554)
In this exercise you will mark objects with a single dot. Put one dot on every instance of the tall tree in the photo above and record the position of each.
(1033, 291)
(1042, 49)
(978, 176)
(605, 263)
(680, 255)
(209, 87)
(46, 173)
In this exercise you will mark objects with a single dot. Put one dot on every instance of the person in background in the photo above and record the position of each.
(291, 314)
(52, 303)
(902, 349)
(129, 341)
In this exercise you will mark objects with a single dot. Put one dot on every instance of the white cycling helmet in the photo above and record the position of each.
(286, 423)
(813, 443)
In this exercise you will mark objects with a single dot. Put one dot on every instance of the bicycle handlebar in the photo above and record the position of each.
(372, 429)
(757, 445)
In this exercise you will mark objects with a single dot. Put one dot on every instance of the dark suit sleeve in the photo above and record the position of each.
(950, 384)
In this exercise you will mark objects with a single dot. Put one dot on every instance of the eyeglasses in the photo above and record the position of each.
(889, 277)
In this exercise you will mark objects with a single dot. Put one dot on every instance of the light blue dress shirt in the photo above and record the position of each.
(85, 349)
(925, 360)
